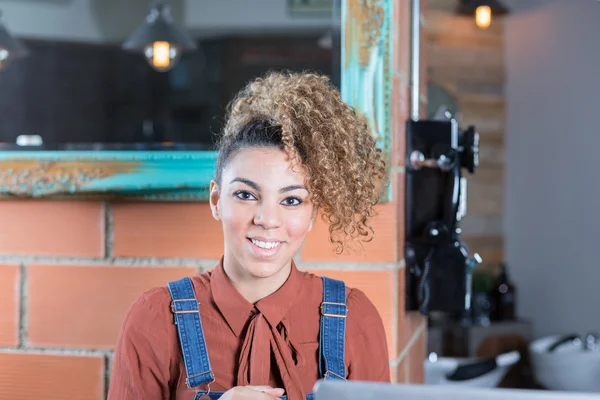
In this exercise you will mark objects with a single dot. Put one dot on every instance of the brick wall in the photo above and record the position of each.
(69, 270)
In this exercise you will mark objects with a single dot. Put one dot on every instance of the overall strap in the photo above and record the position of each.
(186, 308)
(333, 330)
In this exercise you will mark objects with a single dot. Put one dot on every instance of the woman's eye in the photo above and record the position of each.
(243, 195)
(292, 201)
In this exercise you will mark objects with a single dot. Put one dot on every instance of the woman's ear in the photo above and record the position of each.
(214, 200)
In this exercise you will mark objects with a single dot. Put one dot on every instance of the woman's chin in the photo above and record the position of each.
(264, 270)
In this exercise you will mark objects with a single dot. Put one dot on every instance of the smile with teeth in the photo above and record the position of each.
(265, 245)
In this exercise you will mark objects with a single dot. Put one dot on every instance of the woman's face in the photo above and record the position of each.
(265, 210)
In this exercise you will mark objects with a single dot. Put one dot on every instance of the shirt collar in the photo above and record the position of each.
(237, 310)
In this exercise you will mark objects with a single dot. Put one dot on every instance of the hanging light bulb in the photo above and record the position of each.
(482, 10)
(159, 39)
(161, 55)
(483, 16)
(10, 47)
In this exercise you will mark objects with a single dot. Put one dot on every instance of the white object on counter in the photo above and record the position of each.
(437, 368)
(569, 367)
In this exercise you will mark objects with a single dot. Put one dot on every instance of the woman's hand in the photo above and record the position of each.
(252, 393)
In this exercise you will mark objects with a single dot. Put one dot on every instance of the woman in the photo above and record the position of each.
(255, 327)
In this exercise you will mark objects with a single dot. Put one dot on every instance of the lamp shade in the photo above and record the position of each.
(468, 7)
(159, 27)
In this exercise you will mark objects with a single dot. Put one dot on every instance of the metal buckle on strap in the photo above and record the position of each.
(334, 374)
(187, 380)
(333, 315)
(184, 311)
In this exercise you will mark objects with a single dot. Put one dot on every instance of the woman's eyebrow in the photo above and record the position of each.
(248, 182)
(256, 186)
(292, 187)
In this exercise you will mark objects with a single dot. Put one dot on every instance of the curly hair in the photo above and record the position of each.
(303, 114)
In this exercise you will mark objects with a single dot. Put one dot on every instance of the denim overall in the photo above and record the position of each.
(185, 306)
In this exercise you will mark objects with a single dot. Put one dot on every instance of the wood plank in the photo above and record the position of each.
(491, 152)
(484, 196)
(485, 117)
(369, 58)
(148, 175)
(484, 97)
(482, 225)
(490, 248)
(452, 24)
(473, 74)
(442, 39)
(464, 56)
(484, 124)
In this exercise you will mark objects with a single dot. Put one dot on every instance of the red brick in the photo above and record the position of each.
(378, 286)
(401, 114)
(412, 321)
(381, 249)
(166, 230)
(416, 357)
(84, 306)
(57, 377)
(393, 374)
(402, 371)
(401, 312)
(398, 186)
(9, 305)
(58, 228)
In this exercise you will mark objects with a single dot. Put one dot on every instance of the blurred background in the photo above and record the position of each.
(525, 77)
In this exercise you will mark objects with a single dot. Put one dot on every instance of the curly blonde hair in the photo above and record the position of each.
(304, 114)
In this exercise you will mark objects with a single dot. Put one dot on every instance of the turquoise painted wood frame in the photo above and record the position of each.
(366, 84)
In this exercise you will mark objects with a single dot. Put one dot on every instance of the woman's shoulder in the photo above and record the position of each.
(156, 302)
(355, 297)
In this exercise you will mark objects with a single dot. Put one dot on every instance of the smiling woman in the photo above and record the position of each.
(266, 213)
(291, 150)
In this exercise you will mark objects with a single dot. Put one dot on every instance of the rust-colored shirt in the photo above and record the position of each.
(148, 363)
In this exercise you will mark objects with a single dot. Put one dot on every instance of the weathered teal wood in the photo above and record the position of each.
(147, 175)
(367, 63)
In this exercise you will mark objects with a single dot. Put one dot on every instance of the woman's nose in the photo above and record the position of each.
(267, 216)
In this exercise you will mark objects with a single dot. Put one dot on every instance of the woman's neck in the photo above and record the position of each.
(251, 287)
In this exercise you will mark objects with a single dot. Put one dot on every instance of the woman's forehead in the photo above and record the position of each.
(271, 166)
